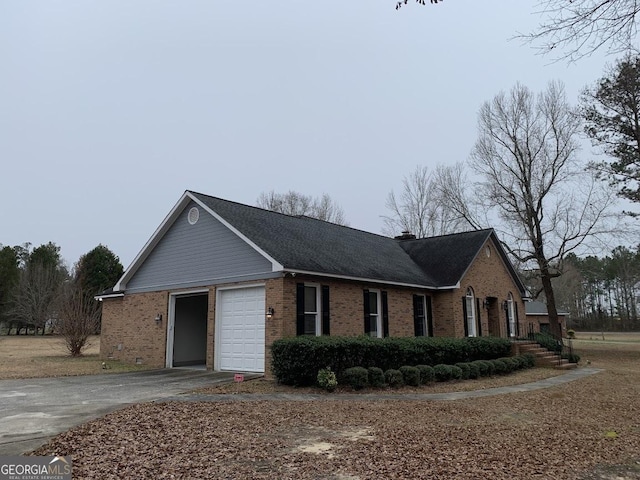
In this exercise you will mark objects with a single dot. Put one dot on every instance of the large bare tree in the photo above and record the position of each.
(423, 208)
(532, 177)
(294, 203)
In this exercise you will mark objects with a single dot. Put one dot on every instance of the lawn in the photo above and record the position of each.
(587, 429)
(23, 356)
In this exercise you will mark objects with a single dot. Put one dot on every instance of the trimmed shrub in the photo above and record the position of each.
(548, 342)
(512, 363)
(529, 360)
(393, 378)
(572, 357)
(474, 370)
(456, 372)
(427, 374)
(296, 360)
(483, 368)
(466, 370)
(356, 377)
(376, 377)
(327, 379)
(442, 372)
(410, 375)
(499, 367)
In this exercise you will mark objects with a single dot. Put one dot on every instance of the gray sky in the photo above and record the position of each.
(109, 110)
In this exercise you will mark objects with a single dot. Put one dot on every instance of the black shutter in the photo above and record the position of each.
(418, 315)
(464, 316)
(429, 317)
(300, 309)
(385, 315)
(515, 307)
(478, 317)
(367, 313)
(326, 317)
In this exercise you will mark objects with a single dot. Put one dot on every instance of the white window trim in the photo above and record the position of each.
(471, 313)
(318, 312)
(426, 331)
(379, 332)
(511, 315)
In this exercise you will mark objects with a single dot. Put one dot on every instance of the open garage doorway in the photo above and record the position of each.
(187, 335)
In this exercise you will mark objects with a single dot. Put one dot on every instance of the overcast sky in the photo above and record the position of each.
(109, 110)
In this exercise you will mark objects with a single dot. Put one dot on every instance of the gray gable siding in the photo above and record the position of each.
(196, 255)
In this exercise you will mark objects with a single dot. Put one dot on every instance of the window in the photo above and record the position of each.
(422, 323)
(511, 316)
(312, 309)
(376, 317)
(470, 313)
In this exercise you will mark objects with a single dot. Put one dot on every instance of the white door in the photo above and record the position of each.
(240, 329)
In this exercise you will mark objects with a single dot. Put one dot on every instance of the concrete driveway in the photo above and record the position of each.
(33, 410)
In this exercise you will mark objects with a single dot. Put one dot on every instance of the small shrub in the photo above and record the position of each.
(499, 366)
(456, 372)
(393, 378)
(511, 364)
(529, 360)
(356, 377)
(427, 375)
(572, 357)
(483, 368)
(466, 370)
(327, 379)
(474, 370)
(491, 368)
(376, 377)
(571, 333)
(410, 375)
(442, 372)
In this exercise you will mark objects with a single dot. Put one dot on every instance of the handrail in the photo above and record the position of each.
(562, 347)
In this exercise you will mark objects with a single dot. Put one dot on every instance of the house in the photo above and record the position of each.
(219, 281)
(537, 318)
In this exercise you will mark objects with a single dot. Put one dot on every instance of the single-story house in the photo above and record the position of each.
(219, 281)
(538, 318)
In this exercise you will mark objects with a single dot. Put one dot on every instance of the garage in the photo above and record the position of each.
(240, 324)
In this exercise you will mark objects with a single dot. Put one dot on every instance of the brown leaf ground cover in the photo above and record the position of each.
(587, 429)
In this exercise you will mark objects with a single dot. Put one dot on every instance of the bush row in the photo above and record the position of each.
(296, 360)
(360, 377)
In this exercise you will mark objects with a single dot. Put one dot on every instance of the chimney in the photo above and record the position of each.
(406, 235)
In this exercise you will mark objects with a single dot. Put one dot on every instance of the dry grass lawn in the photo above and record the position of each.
(23, 356)
(588, 429)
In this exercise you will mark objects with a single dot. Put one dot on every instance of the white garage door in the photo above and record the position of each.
(240, 329)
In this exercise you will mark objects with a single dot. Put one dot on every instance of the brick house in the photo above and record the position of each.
(219, 281)
(537, 318)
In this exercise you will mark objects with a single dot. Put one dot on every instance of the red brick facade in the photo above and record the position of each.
(130, 332)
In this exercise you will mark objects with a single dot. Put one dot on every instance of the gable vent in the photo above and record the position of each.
(193, 216)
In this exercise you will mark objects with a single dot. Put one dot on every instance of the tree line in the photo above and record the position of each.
(39, 294)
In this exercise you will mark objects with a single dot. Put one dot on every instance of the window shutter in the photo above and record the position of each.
(418, 316)
(429, 317)
(478, 317)
(300, 309)
(326, 317)
(515, 308)
(464, 316)
(367, 313)
(385, 315)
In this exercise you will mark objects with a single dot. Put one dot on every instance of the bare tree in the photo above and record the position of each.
(422, 207)
(78, 318)
(294, 203)
(526, 155)
(577, 28)
(34, 300)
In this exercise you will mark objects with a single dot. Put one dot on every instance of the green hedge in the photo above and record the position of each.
(296, 360)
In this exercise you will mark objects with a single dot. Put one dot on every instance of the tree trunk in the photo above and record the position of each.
(552, 312)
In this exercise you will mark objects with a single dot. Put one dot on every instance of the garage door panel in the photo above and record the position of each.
(241, 329)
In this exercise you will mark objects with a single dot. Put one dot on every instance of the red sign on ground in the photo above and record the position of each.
(238, 377)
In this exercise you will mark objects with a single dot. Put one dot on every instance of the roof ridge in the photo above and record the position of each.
(487, 230)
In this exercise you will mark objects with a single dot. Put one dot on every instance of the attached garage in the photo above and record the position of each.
(240, 329)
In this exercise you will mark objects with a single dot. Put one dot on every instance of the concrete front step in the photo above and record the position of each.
(545, 358)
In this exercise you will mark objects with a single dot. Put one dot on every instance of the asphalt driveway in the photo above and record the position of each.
(33, 410)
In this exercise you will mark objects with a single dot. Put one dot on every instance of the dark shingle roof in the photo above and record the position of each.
(307, 244)
(446, 257)
(538, 308)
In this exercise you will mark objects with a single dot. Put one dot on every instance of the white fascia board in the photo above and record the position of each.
(275, 265)
(111, 295)
(369, 280)
(152, 242)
